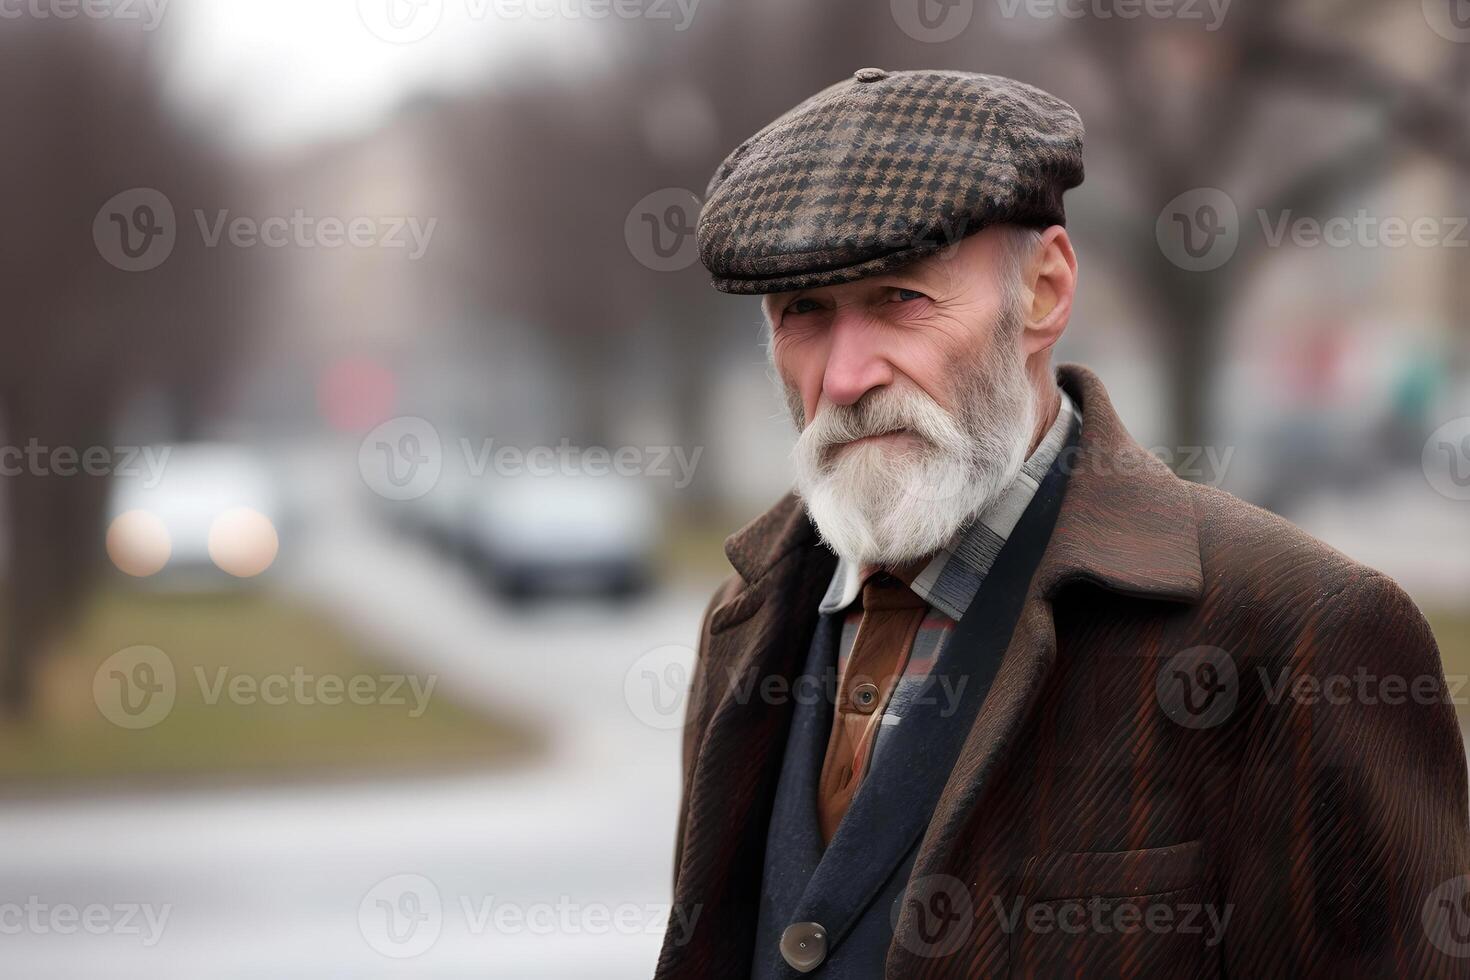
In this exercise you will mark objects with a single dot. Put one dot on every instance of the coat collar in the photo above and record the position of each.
(1127, 523)
(759, 545)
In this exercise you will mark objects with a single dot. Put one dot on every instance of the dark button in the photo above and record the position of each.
(865, 698)
(870, 74)
(804, 946)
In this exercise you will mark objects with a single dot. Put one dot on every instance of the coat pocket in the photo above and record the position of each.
(1147, 913)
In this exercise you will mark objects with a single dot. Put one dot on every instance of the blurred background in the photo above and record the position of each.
(369, 431)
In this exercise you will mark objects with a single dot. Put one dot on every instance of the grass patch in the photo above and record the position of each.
(1452, 632)
(243, 638)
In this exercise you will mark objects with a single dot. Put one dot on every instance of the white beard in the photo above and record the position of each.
(879, 505)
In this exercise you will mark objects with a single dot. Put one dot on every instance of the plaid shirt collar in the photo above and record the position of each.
(953, 576)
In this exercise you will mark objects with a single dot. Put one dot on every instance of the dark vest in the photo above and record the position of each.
(855, 886)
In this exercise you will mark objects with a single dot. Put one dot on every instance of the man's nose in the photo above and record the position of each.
(855, 363)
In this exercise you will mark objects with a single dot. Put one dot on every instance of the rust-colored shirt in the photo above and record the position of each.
(891, 615)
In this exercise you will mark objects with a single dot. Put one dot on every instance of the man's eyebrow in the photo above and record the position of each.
(918, 271)
(906, 281)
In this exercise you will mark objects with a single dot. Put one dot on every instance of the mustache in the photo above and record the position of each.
(880, 412)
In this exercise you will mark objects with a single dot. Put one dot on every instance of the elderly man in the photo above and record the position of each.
(995, 693)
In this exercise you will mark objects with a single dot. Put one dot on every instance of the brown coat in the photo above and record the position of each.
(1107, 811)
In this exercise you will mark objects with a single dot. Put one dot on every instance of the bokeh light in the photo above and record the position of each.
(138, 543)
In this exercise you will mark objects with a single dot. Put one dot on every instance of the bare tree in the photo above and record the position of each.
(1192, 110)
(81, 336)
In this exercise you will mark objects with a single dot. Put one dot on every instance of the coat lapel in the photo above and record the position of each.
(758, 643)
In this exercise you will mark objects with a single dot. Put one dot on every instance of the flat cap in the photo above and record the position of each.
(881, 169)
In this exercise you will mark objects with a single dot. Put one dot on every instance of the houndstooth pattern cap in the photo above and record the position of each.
(881, 169)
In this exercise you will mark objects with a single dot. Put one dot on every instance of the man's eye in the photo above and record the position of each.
(907, 295)
(804, 306)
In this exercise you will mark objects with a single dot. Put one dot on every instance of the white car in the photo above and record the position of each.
(208, 517)
(564, 534)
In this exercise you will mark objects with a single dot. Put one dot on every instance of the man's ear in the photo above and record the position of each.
(1052, 278)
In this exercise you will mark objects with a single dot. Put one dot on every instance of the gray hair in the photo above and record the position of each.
(1019, 246)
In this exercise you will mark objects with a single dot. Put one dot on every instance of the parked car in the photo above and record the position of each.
(541, 535)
